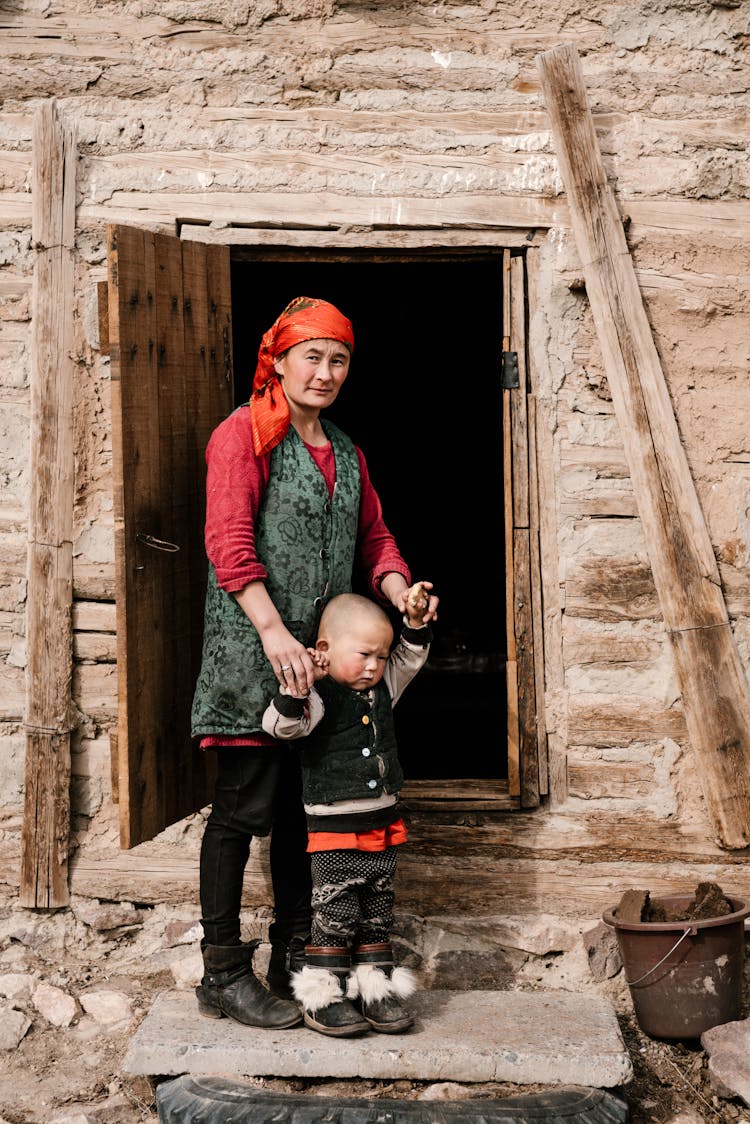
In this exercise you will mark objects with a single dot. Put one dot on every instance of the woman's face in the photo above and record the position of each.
(312, 373)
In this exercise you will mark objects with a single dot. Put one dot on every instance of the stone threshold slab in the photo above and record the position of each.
(525, 1038)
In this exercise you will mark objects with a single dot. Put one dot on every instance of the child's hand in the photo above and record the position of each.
(320, 663)
(419, 605)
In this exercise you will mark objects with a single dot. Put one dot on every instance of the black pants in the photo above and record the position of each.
(258, 789)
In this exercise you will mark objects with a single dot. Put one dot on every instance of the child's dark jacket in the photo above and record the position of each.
(351, 774)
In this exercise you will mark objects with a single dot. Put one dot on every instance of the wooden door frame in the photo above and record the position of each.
(529, 783)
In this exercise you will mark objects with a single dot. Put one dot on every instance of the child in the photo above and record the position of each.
(351, 777)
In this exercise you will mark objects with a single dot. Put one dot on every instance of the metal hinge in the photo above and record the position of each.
(509, 378)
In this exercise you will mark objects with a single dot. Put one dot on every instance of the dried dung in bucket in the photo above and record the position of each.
(684, 970)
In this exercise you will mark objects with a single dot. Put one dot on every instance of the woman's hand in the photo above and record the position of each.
(289, 659)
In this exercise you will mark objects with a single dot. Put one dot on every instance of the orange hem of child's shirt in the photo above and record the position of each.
(376, 840)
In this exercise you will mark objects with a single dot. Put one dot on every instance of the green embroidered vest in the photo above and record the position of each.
(307, 541)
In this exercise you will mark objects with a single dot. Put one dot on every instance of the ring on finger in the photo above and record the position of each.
(286, 667)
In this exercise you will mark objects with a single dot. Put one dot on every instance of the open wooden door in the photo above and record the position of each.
(171, 363)
(527, 738)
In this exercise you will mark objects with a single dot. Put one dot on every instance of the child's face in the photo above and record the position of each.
(358, 654)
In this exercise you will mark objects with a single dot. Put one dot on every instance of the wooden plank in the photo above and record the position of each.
(640, 838)
(735, 582)
(114, 767)
(537, 620)
(527, 757)
(219, 403)
(523, 594)
(323, 210)
(94, 616)
(93, 581)
(208, 381)
(610, 720)
(102, 304)
(605, 460)
(511, 669)
(136, 483)
(46, 823)
(715, 691)
(519, 419)
(221, 366)
(611, 589)
(610, 780)
(458, 794)
(451, 241)
(608, 503)
(352, 41)
(605, 648)
(692, 217)
(174, 367)
(453, 879)
(44, 839)
(310, 167)
(545, 413)
(571, 872)
(97, 647)
(197, 347)
(95, 690)
(496, 887)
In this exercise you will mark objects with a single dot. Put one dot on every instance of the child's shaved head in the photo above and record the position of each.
(349, 610)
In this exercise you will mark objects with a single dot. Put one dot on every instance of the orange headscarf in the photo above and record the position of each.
(304, 318)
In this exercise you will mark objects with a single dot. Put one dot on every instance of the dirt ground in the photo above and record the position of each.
(73, 1074)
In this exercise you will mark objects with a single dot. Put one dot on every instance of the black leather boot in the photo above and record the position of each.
(377, 988)
(286, 958)
(320, 986)
(230, 988)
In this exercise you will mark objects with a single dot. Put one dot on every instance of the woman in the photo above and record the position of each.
(290, 506)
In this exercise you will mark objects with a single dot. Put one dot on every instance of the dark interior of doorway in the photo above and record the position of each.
(423, 401)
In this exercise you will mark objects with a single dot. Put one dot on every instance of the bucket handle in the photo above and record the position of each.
(633, 983)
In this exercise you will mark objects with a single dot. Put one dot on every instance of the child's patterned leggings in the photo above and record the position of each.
(352, 897)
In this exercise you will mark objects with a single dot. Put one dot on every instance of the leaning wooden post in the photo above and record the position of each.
(715, 693)
(46, 821)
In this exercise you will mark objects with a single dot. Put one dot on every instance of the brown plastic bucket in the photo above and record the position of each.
(684, 976)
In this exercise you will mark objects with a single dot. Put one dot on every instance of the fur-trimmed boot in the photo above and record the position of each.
(320, 986)
(230, 988)
(378, 986)
(286, 959)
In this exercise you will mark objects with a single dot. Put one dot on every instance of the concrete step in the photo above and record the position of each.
(525, 1038)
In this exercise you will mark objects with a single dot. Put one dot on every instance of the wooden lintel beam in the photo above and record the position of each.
(46, 820)
(715, 694)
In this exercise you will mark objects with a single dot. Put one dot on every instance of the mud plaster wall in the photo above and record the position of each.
(247, 111)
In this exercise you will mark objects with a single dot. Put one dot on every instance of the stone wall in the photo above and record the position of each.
(354, 114)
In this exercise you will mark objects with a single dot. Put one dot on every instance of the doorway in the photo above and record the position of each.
(424, 402)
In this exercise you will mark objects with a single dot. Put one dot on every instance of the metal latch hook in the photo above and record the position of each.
(157, 544)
